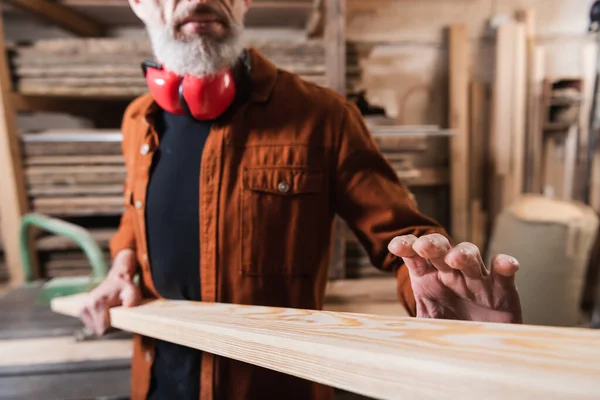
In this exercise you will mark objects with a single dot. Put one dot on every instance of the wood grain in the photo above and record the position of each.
(459, 122)
(335, 44)
(501, 132)
(570, 163)
(377, 356)
(519, 114)
(13, 196)
(21, 352)
(536, 121)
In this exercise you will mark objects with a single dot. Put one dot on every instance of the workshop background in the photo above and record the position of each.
(485, 108)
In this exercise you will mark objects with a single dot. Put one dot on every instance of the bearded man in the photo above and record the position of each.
(235, 171)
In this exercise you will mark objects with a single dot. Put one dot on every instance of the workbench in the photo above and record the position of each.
(40, 357)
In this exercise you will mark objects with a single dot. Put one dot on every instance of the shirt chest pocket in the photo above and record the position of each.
(282, 218)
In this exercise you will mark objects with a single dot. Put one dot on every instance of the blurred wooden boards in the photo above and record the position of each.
(367, 295)
(459, 122)
(75, 172)
(61, 350)
(61, 15)
(13, 197)
(111, 67)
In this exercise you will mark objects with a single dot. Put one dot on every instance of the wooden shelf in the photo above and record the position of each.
(73, 104)
(265, 13)
(556, 126)
(278, 21)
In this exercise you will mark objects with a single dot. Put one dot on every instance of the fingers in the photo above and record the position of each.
(434, 248)
(111, 293)
(93, 313)
(130, 295)
(466, 258)
(504, 269)
(402, 246)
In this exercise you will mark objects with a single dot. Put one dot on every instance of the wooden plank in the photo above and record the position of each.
(315, 25)
(553, 173)
(57, 104)
(519, 113)
(20, 352)
(595, 182)
(13, 196)
(536, 121)
(61, 15)
(501, 132)
(54, 243)
(425, 177)
(75, 160)
(72, 176)
(67, 148)
(478, 135)
(75, 190)
(378, 356)
(589, 55)
(477, 140)
(335, 44)
(401, 143)
(459, 122)
(105, 205)
(377, 296)
(373, 290)
(479, 225)
(570, 163)
(528, 18)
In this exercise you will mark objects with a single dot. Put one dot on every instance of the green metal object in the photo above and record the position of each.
(66, 285)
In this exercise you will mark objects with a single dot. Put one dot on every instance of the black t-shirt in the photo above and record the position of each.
(173, 231)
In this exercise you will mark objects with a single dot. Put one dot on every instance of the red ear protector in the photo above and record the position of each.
(203, 98)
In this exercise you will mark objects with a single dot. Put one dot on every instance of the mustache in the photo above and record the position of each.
(204, 8)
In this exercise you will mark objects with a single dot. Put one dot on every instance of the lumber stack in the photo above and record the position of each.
(74, 172)
(563, 147)
(75, 175)
(59, 256)
(111, 67)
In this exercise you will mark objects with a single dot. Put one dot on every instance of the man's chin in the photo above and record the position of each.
(193, 31)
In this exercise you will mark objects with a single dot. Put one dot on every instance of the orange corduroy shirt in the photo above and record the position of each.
(273, 176)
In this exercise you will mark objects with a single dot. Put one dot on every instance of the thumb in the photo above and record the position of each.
(130, 295)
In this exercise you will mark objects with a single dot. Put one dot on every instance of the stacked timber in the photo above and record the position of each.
(111, 67)
(59, 256)
(419, 156)
(74, 172)
(76, 175)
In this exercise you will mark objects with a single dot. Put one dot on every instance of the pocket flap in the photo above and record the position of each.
(283, 181)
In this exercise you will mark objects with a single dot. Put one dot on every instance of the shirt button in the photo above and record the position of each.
(283, 187)
(139, 204)
(145, 149)
(148, 356)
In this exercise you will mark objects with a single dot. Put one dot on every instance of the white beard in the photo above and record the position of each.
(200, 57)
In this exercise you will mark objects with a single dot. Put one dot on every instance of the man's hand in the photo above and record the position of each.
(117, 289)
(453, 283)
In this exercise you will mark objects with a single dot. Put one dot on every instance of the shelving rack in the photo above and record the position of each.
(323, 21)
